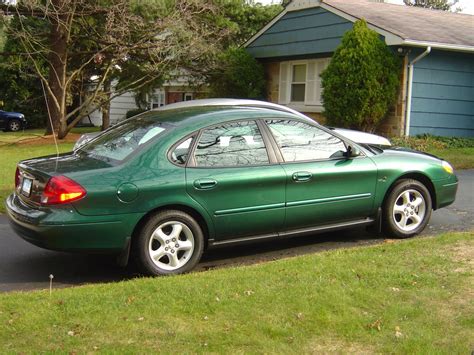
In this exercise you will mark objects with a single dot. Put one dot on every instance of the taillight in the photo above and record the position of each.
(60, 189)
(17, 177)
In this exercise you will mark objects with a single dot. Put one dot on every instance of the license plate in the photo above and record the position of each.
(26, 187)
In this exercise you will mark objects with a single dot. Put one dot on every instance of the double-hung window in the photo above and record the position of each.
(300, 83)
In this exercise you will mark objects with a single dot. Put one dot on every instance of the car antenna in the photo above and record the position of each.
(51, 123)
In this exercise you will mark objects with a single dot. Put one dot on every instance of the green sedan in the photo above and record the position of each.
(167, 184)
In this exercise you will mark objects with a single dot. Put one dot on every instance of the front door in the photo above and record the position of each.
(323, 186)
(232, 177)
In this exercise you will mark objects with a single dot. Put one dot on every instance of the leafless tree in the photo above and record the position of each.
(90, 43)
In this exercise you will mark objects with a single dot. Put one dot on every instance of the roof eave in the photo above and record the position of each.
(436, 45)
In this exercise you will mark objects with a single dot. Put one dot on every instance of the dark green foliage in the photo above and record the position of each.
(21, 89)
(444, 5)
(244, 18)
(361, 81)
(134, 112)
(238, 75)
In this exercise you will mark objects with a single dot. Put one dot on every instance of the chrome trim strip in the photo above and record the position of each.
(327, 199)
(249, 209)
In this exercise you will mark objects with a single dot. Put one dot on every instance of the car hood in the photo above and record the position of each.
(409, 151)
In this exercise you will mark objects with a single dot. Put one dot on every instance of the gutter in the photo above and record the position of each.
(411, 68)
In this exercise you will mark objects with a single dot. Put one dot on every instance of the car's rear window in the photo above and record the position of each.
(120, 141)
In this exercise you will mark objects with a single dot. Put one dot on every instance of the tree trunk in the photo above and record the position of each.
(57, 73)
(106, 106)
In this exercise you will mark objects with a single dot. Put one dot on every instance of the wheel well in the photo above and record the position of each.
(425, 180)
(192, 212)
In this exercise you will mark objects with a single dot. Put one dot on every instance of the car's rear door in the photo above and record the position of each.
(237, 180)
(323, 186)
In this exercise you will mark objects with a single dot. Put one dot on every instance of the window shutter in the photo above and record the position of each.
(311, 81)
(283, 92)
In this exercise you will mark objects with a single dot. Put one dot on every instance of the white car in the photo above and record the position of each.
(355, 136)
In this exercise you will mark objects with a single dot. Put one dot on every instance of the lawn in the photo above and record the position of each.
(412, 296)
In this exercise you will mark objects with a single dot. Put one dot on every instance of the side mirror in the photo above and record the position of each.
(352, 152)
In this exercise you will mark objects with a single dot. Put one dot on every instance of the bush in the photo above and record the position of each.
(361, 82)
(238, 75)
(427, 142)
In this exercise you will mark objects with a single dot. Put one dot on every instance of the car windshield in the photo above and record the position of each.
(122, 140)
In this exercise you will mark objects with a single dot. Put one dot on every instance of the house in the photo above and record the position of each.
(172, 91)
(437, 82)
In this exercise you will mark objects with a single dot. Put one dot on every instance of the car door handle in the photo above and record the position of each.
(205, 184)
(302, 176)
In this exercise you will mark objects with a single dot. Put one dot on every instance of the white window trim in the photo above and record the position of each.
(314, 83)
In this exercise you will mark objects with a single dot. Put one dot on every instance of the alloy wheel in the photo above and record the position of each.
(171, 245)
(409, 210)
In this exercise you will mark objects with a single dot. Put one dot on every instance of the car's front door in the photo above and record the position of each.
(232, 175)
(323, 186)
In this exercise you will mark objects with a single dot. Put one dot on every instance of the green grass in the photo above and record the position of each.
(412, 296)
(460, 158)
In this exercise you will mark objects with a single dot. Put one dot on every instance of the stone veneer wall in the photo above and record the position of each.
(394, 124)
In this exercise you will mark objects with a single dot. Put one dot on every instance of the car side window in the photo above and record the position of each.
(231, 144)
(180, 153)
(299, 141)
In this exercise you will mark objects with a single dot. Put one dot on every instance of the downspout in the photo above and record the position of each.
(411, 67)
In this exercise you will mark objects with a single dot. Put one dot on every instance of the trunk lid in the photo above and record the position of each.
(36, 172)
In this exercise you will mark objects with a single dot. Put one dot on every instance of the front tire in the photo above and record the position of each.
(171, 242)
(407, 209)
(14, 125)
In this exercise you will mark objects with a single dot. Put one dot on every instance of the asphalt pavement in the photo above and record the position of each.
(26, 267)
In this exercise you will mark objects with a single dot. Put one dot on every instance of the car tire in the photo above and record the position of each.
(407, 209)
(169, 243)
(14, 125)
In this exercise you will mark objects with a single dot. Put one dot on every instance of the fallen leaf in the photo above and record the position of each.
(376, 325)
(206, 318)
(398, 333)
(141, 318)
(70, 333)
(300, 316)
(218, 299)
(395, 289)
(248, 293)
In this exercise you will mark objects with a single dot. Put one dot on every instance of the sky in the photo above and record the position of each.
(466, 5)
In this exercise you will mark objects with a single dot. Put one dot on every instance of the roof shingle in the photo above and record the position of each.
(412, 23)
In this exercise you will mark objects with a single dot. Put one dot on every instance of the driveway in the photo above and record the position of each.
(26, 267)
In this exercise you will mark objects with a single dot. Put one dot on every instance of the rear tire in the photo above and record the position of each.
(407, 209)
(14, 125)
(171, 242)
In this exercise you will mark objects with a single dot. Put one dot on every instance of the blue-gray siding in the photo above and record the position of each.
(443, 95)
(306, 32)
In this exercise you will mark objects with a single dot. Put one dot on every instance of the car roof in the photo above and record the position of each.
(223, 102)
(198, 116)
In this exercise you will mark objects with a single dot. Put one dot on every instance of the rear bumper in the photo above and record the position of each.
(64, 229)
